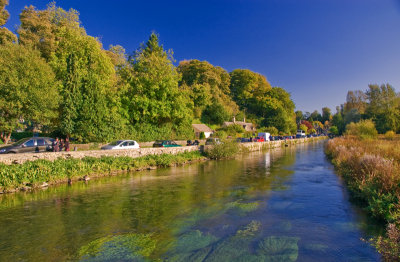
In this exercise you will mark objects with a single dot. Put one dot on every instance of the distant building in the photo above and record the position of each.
(247, 126)
(198, 128)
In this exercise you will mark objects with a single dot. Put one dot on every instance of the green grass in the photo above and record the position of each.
(34, 173)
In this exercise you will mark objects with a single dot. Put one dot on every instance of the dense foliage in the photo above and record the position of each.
(381, 104)
(365, 129)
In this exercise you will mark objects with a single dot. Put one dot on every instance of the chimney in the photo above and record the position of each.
(234, 119)
(244, 120)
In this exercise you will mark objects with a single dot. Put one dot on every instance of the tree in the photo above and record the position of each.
(326, 114)
(279, 111)
(356, 100)
(207, 84)
(337, 121)
(334, 130)
(299, 116)
(90, 107)
(249, 90)
(5, 35)
(383, 107)
(303, 127)
(253, 93)
(214, 114)
(28, 91)
(153, 95)
(43, 29)
(307, 124)
(315, 116)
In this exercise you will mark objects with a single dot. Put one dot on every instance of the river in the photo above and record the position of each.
(281, 205)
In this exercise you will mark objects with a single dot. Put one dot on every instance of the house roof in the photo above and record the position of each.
(246, 126)
(201, 128)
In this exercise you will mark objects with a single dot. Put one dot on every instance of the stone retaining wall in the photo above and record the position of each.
(21, 158)
(255, 146)
(260, 146)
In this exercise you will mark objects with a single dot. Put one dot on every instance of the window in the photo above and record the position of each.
(132, 143)
(41, 142)
(30, 143)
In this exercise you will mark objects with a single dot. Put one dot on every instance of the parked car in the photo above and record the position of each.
(265, 135)
(165, 143)
(243, 140)
(258, 139)
(29, 145)
(213, 141)
(192, 143)
(121, 144)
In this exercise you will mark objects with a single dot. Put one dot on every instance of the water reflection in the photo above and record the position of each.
(287, 200)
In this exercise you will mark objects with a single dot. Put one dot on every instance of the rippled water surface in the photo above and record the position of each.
(281, 205)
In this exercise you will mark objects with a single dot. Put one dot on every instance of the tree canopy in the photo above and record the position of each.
(27, 89)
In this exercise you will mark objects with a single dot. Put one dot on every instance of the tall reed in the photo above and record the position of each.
(371, 169)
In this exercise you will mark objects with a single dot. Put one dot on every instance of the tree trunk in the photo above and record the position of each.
(5, 137)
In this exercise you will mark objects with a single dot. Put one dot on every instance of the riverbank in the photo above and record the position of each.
(43, 173)
(25, 172)
(371, 169)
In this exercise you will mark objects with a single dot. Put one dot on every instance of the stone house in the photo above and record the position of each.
(198, 128)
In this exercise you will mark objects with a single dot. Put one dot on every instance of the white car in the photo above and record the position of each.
(122, 144)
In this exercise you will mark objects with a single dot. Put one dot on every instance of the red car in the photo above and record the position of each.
(258, 139)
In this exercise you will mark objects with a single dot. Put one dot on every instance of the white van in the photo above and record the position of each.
(264, 135)
(300, 134)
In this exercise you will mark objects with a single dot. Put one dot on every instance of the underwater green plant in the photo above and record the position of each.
(132, 247)
(242, 208)
(279, 249)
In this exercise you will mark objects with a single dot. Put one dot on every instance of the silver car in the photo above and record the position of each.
(122, 144)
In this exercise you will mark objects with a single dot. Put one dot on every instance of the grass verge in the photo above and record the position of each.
(39, 173)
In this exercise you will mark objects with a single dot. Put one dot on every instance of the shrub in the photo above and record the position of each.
(221, 134)
(233, 130)
(202, 135)
(334, 130)
(226, 149)
(270, 129)
(365, 129)
(390, 134)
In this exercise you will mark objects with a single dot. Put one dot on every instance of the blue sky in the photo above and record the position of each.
(316, 49)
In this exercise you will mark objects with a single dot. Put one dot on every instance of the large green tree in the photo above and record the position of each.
(89, 108)
(249, 90)
(273, 106)
(153, 96)
(208, 85)
(28, 91)
(279, 111)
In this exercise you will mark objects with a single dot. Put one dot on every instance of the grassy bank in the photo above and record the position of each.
(371, 169)
(38, 173)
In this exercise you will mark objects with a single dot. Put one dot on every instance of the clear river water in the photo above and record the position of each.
(281, 205)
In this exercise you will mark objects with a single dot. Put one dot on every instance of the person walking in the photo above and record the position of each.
(56, 145)
(66, 145)
(61, 144)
